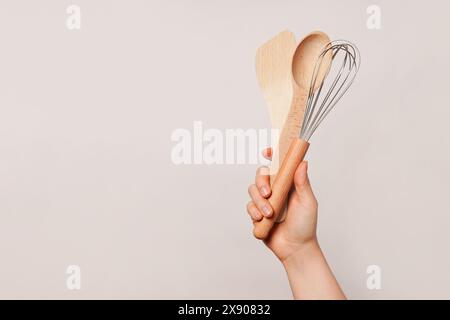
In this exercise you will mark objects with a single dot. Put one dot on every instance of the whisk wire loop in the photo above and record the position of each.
(319, 105)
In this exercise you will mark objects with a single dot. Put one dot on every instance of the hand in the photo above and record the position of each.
(294, 240)
(298, 230)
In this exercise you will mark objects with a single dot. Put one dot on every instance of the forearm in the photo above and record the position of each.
(309, 275)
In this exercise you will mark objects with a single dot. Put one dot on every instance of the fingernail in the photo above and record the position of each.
(267, 211)
(264, 191)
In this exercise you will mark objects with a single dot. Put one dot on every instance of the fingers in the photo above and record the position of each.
(262, 181)
(261, 203)
(301, 180)
(254, 212)
(267, 153)
(259, 206)
(302, 185)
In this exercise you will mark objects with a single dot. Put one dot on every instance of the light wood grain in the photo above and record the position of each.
(273, 69)
(301, 69)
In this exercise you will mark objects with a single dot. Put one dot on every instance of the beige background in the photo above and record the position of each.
(85, 170)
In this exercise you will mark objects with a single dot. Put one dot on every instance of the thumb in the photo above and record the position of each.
(301, 181)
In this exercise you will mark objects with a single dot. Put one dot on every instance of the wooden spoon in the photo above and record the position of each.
(302, 68)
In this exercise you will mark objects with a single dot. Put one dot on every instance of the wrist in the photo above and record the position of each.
(305, 252)
(309, 274)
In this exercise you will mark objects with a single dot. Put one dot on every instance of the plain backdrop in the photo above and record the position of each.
(86, 176)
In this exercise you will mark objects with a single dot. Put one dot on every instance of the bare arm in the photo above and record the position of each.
(309, 275)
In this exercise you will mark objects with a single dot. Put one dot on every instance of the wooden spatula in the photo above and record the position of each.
(274, 72)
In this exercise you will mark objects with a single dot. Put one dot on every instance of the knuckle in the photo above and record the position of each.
(261, 202)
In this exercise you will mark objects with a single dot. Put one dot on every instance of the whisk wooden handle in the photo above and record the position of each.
(282, 185)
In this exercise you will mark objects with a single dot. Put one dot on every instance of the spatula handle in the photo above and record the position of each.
(281, 186)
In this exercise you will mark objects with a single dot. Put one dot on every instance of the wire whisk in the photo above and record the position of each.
(346, 58)
(329, 82)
